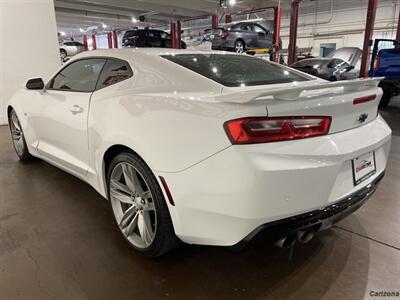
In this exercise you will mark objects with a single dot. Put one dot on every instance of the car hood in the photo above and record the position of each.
(350, 55)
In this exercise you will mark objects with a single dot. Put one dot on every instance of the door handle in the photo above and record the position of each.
(76, 109)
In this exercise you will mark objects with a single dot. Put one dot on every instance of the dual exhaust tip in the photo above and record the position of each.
(301, 236)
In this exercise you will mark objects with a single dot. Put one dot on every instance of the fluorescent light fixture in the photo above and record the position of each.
(104, 26)
(232, 2)
(62, 33)
(134, 20)
(81, 30)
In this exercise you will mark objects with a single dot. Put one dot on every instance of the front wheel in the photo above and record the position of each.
(139, 207)
(239, 47)
(18, 138)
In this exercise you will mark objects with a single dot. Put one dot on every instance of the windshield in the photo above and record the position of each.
(311, 63)
(235, 70)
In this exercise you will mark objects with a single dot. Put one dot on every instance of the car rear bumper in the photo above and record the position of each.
(223, 199)
(320, 219)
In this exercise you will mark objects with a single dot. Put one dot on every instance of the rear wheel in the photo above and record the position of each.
(239, 46)
(139, 207)
(387, 95)
(18, 138)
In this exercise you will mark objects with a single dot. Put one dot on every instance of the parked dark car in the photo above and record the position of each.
(242, 37)
(339, 65)
(148, 38)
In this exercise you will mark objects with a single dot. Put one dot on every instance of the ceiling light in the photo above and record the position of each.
(232, 2)
(104, 26)
(134, 20)
(62, 33)
(81, 30)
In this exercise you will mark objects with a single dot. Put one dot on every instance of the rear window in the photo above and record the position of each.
(235, 70)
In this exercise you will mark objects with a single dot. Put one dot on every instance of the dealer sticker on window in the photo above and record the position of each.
(363, 167)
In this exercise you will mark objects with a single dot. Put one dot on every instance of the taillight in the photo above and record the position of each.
(364, 99)
(224, 34)
(275, 129)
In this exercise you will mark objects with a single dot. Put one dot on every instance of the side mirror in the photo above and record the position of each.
(350, 68)
(35, 84)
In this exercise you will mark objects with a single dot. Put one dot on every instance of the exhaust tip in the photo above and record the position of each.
(287, 241)
(305, 236)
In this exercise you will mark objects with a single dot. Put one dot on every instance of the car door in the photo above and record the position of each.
(263, 39)
(249, 35)
(62, 124)
(153, 38)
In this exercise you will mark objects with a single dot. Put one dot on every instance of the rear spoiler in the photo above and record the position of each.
(293, 93)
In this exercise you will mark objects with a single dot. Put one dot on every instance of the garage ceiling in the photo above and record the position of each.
(74, 14)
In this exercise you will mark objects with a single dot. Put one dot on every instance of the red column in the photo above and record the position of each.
(109, 39)
(277, 31)
(294, 20)
(214, 21)
(173, 35)
(369, 31)
(178, 34)
(85, 43)
(94, 43)
(228, 19)
(115, 38)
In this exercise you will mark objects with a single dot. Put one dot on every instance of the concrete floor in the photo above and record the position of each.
(58, 241)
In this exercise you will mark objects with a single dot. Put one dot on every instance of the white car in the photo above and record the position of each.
(206, 147)
(70, 49)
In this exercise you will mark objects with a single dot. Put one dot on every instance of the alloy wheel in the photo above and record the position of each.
(133, 205)
(16, 133)
(239, 47)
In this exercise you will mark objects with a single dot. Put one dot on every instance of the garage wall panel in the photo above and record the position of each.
(29, 45)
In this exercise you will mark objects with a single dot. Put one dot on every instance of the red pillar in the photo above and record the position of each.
(294, 20)
(94, 43)
(369, 31)
(115, 38)
(277, 31)
(178, 34)
(214, 21)
(228, 19)
(85, 43)
(109, 39)
(173, 35)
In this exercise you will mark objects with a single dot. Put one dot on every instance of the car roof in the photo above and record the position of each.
(132, 53)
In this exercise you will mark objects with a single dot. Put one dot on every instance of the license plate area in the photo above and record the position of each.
(364, 167)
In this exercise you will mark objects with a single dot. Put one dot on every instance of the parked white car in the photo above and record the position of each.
(70, 49)
(206, 147)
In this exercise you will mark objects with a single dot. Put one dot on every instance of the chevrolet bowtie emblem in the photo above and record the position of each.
(362, 118)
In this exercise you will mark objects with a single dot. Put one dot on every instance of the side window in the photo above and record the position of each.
(258, 29)
(68, 43)
(246, 27)
(79, 76)
(114, 71)
(164, 35)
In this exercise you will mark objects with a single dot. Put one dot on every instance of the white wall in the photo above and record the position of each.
(29, 45)
(344, 25)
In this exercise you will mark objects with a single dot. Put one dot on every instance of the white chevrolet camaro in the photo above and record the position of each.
(206, 147)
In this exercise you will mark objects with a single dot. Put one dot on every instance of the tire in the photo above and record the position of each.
(387, 95)
(332, 78)
(138, 205)
(240, 47)
(63, 54)
(18, 138)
